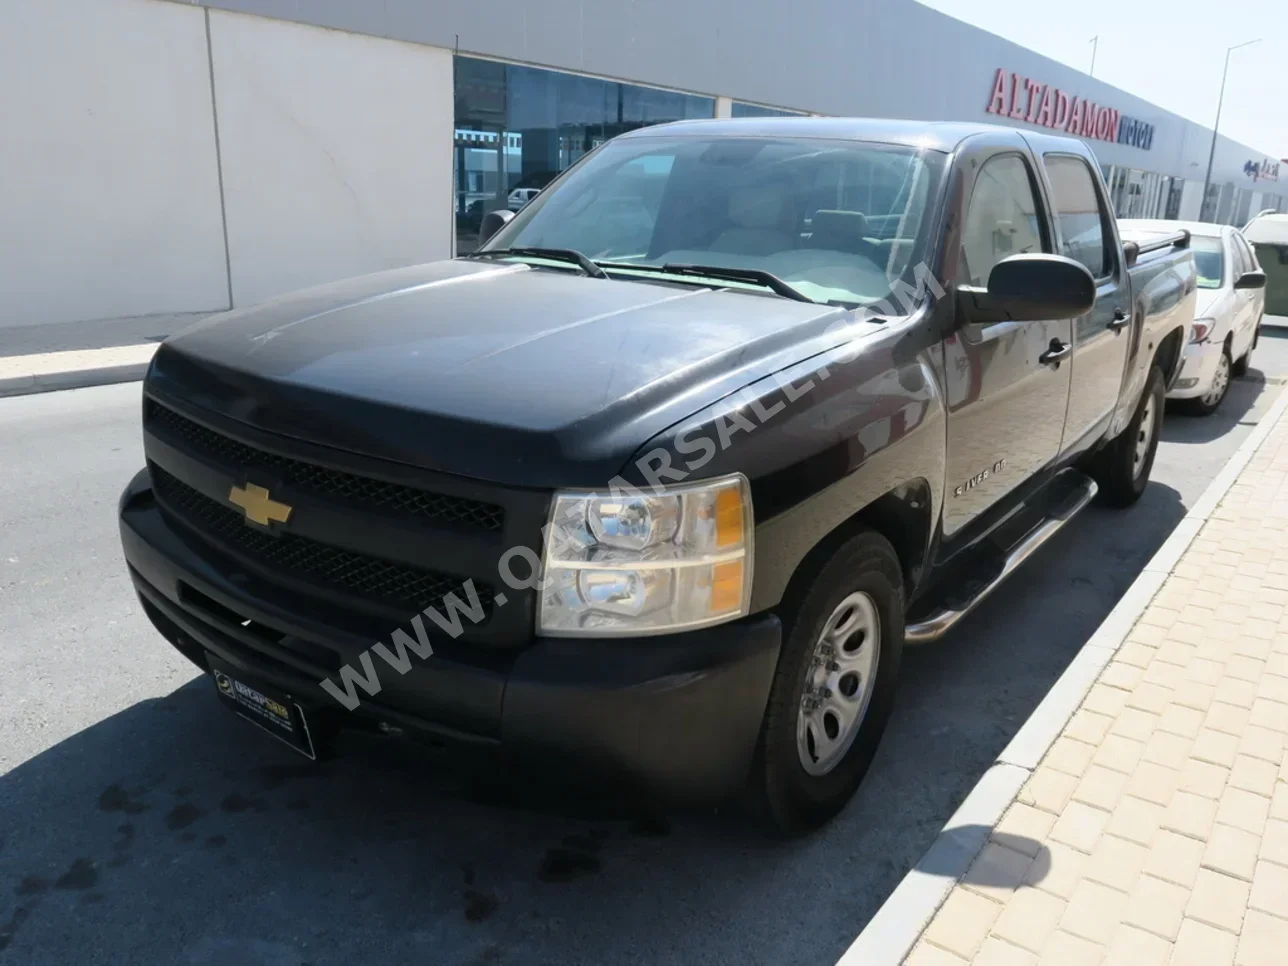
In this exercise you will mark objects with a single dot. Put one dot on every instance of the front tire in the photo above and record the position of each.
(1122, 468)
(1210, 401)
(834, 687)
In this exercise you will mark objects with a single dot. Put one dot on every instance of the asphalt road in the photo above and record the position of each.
(141, 823)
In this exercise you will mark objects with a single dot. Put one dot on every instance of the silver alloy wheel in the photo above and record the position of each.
(1220, 381)
(839, 683)
(1144, 436)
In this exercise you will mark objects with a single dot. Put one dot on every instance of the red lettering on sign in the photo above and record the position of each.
(1061, 110)
(997, 103)
(1026, 99)
(1016, 110)
(1111, 129)
(1033, 87)
(1102, 124)
(1048, 105)
(1075, 116)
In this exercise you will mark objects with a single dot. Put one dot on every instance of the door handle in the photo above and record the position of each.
(1119, 321)
(1057, 351)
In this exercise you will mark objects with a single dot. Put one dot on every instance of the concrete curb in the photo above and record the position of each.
(23, 375)
(77, 379)
(889, 936)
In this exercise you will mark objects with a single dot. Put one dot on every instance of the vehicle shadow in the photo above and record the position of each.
(1244, 394)
(174, 832)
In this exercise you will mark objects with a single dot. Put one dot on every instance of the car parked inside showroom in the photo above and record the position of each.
(1231, 303)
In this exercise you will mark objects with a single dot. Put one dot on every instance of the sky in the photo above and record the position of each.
(1169, 53)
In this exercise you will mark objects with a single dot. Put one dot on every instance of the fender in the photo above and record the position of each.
(1163, 302)
(821, 441)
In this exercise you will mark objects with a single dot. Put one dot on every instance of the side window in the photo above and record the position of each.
(1082, 230)
(1238, 261)
(1002, 219)
(1249, 257)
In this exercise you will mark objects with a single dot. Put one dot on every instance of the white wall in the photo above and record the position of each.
(336, 151)
(1191, 201)
(110, 199)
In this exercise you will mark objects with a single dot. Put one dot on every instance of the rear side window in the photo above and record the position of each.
(1002, 219)
(1241, 262)
(1082, 230)
(1249, 258)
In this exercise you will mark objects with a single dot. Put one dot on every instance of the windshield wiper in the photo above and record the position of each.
(754, 275)
(558, 254)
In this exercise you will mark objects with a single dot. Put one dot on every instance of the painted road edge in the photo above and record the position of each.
(889, 936)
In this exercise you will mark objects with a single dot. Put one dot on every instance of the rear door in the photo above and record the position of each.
(1101, 338)
(1253, 300)
(1006, 406)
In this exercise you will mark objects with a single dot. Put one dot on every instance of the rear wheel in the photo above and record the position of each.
(1210, 401)
(1122, 468)
(834, 687)
(1240, 367)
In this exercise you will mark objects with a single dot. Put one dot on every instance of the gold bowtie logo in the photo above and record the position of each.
(258, 505)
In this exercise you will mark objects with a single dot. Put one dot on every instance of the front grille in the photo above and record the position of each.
(396, 585)
(358, 491)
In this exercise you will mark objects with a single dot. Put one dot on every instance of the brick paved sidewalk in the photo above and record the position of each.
(1155, 830)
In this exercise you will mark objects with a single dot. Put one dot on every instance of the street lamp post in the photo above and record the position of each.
(1095, 43)
(1207, 180)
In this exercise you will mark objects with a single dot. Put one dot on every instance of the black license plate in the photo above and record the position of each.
(265, 706)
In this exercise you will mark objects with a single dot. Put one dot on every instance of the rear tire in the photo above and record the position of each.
(1240, 367)
(806, 767)
(1122, 468)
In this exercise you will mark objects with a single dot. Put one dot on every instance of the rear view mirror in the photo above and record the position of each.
(1251, 280)
(493, 222)
(1032, 287)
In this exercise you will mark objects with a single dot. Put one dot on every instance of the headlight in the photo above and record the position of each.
(643, 563)
(1201, 330)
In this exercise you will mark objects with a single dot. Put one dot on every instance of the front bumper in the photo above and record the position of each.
(1198, 368)
(674, 719)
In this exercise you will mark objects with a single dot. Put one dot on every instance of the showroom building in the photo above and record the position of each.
(176, 156)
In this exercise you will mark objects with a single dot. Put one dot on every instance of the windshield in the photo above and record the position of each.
(1209, 260)
(839, 221)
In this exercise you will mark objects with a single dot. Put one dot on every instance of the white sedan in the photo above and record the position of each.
(1231, 302)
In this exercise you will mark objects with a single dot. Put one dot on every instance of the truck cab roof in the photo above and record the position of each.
(932, 135)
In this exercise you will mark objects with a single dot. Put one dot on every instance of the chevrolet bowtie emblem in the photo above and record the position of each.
(258, 505)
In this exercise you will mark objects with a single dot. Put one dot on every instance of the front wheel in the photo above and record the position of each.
(1122, 468)
(1210, 401)
(834, 687)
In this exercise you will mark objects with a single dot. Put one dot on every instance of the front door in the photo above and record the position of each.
(1102, 337)
(1006, 407)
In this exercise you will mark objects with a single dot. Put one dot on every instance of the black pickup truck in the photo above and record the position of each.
(651, 490)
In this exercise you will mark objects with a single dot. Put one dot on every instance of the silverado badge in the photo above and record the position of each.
(979, 478)
(258, 505)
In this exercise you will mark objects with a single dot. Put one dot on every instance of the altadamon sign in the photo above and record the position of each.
(1024, 99)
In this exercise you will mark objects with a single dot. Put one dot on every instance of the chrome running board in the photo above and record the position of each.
(939, 623)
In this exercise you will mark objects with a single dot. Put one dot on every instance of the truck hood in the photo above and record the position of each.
(501, 372)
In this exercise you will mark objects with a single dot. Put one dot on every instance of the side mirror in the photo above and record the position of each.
(1031, 288)
(493, 222)
(1251, 280)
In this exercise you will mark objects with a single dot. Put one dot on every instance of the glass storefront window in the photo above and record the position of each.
(743, 109)
(518, 127)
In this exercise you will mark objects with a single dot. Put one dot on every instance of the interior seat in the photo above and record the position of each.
(839, 231)
(758, 217)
